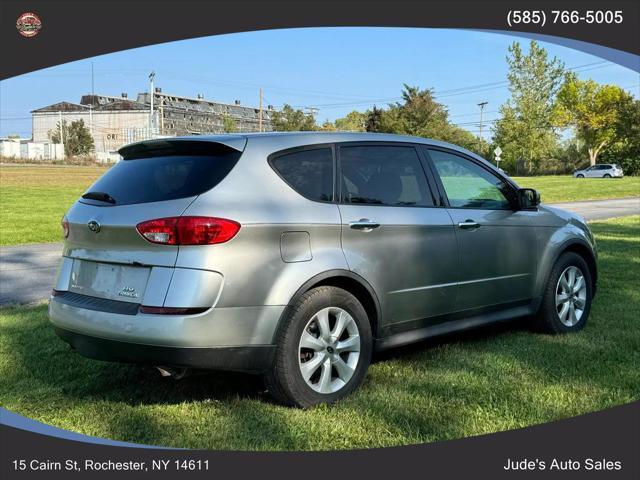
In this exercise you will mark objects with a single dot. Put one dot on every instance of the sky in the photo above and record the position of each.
(336, 70)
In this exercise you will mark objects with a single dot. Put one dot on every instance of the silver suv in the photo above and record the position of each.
(600, 170)
(297, 255)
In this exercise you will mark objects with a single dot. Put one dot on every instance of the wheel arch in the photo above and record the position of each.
(580, 247)
(347, 280)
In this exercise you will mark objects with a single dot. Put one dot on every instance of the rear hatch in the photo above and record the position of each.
(156, 179)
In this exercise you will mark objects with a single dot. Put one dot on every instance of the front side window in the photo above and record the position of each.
(383, 175)
(468, 185)
(308, 172)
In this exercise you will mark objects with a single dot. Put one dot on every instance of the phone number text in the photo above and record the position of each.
(541, 17)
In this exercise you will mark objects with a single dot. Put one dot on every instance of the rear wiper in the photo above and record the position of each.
(103, 197)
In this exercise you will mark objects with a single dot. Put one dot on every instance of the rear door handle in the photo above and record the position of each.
(468, 224)
(364, 224)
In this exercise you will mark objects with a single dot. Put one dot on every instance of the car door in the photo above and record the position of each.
(497, 243)
(393, 233)
(593, 172)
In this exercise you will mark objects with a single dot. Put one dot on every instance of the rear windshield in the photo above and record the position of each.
(156, 179)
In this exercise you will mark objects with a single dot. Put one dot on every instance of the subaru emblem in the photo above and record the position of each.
(94, 226)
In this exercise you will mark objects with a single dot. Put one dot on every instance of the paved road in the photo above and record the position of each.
(27, 272)
(599, 210)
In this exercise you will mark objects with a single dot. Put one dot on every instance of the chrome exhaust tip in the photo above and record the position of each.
(173, 372)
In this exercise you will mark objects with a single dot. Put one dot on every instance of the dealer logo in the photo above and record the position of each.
(28, 24)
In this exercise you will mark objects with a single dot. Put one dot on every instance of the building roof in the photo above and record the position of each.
(106, 102)
(61, 107)
(97, 103)
(164, 100)
(201, 105)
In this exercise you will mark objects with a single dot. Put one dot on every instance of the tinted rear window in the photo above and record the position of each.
(309, 172)
(384, 175)
(156, 179)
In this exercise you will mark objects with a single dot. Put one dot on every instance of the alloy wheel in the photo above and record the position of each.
(571, 296)
(329, 350)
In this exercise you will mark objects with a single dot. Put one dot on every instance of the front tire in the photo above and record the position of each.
(566, 302)
(606, 175)
(324, 349)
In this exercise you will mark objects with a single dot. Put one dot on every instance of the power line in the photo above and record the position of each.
(479, 88)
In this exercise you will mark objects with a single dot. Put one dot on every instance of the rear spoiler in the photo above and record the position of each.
(166, 147)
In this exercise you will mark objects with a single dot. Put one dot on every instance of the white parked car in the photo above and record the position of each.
(600, 170)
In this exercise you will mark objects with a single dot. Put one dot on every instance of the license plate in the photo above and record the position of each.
(105, 280)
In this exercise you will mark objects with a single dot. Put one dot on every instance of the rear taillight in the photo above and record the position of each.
(188, 230)
(65, 227)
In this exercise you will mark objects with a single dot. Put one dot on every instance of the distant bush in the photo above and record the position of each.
(83, 161)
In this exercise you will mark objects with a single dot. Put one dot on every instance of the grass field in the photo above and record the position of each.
(33, 199)
(489, 380)
(564, 188)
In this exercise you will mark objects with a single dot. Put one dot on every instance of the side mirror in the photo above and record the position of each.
(528, 198)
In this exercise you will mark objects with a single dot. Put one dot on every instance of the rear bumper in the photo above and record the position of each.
(245, 359)
(234, 338)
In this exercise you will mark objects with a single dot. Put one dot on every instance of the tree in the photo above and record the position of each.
(328, 126)
(76, 138)
(419, 114)
(229, 124)
(525, 129)
(625, 149)
(592, 110)
(373, 120)
(353, 122)
(291, 120)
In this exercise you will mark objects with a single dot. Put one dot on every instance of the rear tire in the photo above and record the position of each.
(323, 350)
(580, 175)
(566, 302)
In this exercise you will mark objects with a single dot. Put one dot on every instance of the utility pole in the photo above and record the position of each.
(260, 114)
(481, 105)
(161, 114)
(152, 77)
(92, 90)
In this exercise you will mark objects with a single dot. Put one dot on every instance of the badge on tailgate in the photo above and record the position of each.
(128, 292)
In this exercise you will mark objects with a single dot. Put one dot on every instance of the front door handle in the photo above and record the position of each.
(468, 224)
(364, 224)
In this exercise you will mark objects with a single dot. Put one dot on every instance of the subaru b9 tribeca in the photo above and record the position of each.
(297, 255)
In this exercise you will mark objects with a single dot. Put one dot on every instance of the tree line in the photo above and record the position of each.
(553, 122)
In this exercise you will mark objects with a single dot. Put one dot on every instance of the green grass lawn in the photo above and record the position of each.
(479, 382)
(33, 199)
(564, 188)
